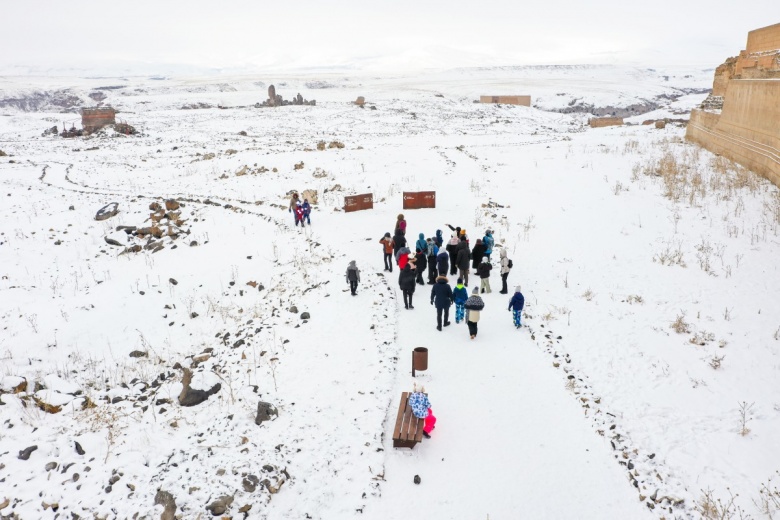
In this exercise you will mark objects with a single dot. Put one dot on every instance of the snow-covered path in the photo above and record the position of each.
(540, 442)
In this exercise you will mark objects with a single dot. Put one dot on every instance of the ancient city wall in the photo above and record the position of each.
(747, 130)
(764, 39)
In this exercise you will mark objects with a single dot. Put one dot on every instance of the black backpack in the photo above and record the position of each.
(509, 263)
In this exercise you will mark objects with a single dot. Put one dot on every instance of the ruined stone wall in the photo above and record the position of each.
(598, 122)
(764, 39)
(746, 131)
(507, 100)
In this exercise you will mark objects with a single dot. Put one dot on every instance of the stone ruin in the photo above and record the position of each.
(276, 100)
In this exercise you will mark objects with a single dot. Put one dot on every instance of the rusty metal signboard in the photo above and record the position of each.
(419, 199)
(358, 202)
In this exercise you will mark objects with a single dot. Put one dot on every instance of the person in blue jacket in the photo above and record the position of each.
(488, 242)
(439, 238)
(307, 211)
(516, 305)
(431, 253)
(421, 244)
(460, 295)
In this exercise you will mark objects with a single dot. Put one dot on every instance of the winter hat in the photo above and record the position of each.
(485, 260)
(475, 290)
(400, 216)
(479, 241)
(460, 281)
(517, 289)
(387, 234)
(462, 231)
(352, 263)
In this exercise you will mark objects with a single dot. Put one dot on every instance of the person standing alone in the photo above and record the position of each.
(484, 275)
(353, 277)
(406, 283)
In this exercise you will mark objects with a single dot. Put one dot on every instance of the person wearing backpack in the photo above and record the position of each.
(459, 296)
(506, 266)
(516, 305)
(387, 247)
(431, 253)
(353, 277)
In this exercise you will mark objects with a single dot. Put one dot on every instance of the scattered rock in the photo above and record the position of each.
(245, 509)
(264, 412)
(25, 453)
(220, 505)
(165, 499)
(173, 281)
(298, 166)
(417, 479)
(107, 211)
(305, 316)
(194, 243)
(242, 132)
(139, 354)
(250, 483)
(660, 124)
(155, 206)
(171, 205)
(192, 396)
(71, 208)
(293, 309)
(79, 449)
(194, 315)
(50, 466)
(112, 242)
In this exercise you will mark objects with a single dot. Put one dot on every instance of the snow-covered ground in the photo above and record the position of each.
(597, 408)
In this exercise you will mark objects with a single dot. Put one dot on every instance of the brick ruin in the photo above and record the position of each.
(598, 122)
(93, 119)
(739, 120)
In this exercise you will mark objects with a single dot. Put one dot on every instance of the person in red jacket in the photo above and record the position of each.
(299, 215)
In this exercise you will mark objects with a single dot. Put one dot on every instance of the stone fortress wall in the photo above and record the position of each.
(741, 119)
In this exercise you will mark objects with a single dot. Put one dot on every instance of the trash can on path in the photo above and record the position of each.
(419, 359)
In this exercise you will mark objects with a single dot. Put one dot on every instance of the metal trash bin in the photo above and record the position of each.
(419, 359)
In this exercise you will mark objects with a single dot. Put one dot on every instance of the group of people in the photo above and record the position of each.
(430, 258)
(301, 210)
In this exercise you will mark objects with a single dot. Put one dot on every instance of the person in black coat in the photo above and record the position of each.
(452, 251)
(477, 254)
(462, 261)
(406, 283)
(399, 241)
(442, 263)
(441, 296)
(421, 261)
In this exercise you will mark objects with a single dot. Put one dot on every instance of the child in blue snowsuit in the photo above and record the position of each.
(306, 211)
(516, 306)
(460, 295)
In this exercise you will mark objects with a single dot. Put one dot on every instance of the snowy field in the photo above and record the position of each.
(644, 382)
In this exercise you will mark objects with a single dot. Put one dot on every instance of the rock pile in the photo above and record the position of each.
(165, 222)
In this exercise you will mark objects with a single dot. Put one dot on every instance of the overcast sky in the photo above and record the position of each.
(178, 36)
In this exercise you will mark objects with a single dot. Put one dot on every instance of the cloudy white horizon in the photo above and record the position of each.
(237, 36)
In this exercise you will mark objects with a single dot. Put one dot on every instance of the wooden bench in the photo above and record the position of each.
(408, 428)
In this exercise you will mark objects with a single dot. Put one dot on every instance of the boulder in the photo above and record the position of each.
(107, 211)
(165, 499)
(171, 205)
(193, 396)
(264, 412)
(305, 316)
(220, 505)
(112, 242)
(660, 124)
(310, 195)
(25, 453)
